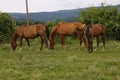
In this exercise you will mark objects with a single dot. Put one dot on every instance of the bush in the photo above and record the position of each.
(7, 27)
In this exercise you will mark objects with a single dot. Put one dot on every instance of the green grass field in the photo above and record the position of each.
(69, 64)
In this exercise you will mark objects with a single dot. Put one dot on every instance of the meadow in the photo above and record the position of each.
(71, 63)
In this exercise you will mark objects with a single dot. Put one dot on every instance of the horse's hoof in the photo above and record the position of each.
(103, 49)
(20, 49)
(95, 49)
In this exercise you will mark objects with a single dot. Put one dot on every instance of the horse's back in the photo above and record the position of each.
(66, 28)
(77, 23)
(98, 29)
(27, 31)
(40, 26)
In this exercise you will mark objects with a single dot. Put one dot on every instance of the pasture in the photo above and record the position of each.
(69, 64)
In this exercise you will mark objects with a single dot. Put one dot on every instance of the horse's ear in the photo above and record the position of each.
(83, 26)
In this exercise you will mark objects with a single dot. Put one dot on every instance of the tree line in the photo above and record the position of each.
(109, 16)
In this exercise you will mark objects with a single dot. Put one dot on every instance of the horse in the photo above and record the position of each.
(92, 31)
(63, 29)
(30, 32)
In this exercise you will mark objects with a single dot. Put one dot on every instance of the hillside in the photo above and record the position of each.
(48, 16)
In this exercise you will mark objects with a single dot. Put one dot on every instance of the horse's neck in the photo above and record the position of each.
(53, 33)
(52, 36)
(15, 36)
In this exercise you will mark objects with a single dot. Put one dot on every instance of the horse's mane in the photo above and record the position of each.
(87, 31)
(14, 36)
(24, 25)
(53, 32)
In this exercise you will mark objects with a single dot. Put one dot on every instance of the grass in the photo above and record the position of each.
(69, 64)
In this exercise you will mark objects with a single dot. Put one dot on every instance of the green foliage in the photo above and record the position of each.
(7, 27)
(23, 21)
(109, 16)
(51, 24)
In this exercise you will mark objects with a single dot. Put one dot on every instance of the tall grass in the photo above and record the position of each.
(71, 63)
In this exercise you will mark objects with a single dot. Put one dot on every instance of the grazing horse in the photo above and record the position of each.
(66, 29)
(30, 32)
(94, 31)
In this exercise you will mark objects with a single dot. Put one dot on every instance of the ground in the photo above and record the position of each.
(69, 64)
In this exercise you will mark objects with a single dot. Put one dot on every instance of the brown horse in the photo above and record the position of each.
(66, 29)
(94, 31)
(30, 32)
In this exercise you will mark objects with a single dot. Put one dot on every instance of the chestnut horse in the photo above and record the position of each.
(92, 31)
(66, 29)
(30, 32)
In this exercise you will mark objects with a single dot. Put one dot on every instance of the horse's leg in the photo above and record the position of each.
(21, 43)
(46, 42)
(97, 41)
(91, 45)
(42, 42)
(103, 40)
(80, 39)
(62, 41)
(85, 40)
(28, 43)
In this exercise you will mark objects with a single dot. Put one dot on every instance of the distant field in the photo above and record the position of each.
(69, 64)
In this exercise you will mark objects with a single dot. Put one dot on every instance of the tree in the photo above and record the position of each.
(109, 16)
(7, 27)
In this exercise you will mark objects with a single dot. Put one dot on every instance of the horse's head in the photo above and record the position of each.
(80, 27)
(51, 37)
(52, 44)
(14, 45)
(83, 27)
(51, 40)
(13, 41)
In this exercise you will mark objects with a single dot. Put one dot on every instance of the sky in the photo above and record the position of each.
(50, 5)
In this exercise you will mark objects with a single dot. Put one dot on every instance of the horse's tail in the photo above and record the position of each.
(87, 31)
(47, 31)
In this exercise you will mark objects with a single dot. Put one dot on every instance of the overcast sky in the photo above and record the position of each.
(50, 5)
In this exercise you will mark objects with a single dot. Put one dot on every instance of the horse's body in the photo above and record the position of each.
(94, 31)
(30, 32)
(66, 29)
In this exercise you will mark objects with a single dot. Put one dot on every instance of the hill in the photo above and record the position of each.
(51, 16)
(48, 16)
